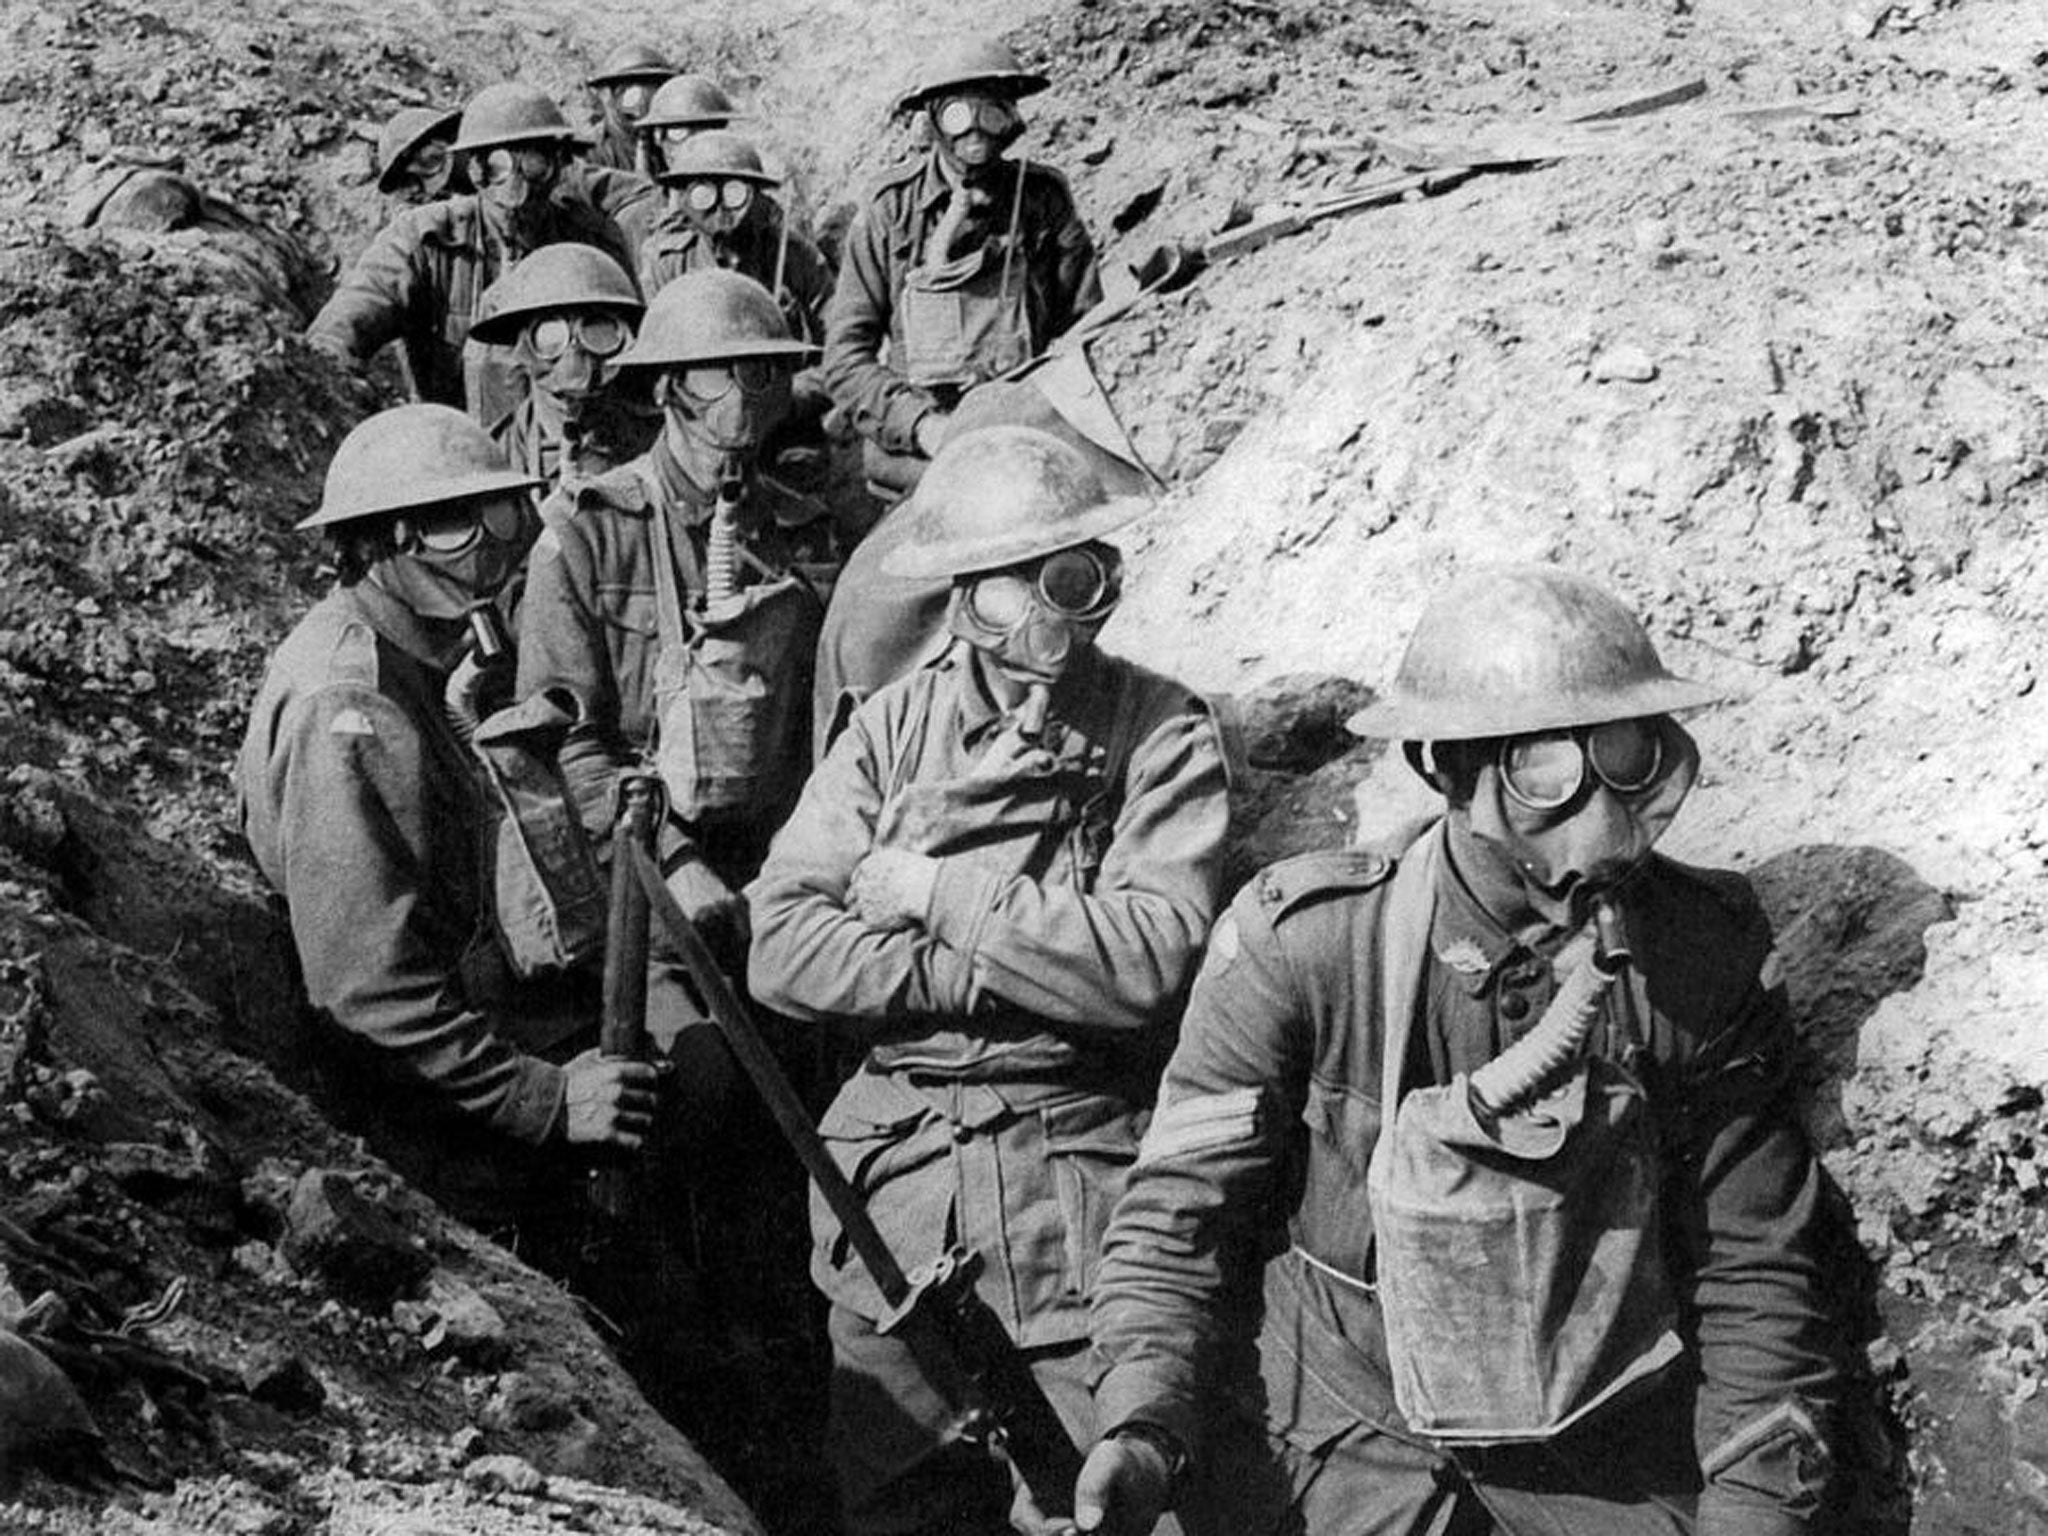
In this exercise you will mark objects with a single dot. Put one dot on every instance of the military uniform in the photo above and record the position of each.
(676, 246)
(364, 812)
(419, 284)
(1054, 280)
(1013, 1039)
(1259, 1149)
(590, 624)
(613, 432)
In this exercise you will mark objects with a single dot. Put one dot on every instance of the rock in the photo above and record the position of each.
(283, 1379)
(526, 1405)
(505, 1474)
(453, 1319)
(466, 1444)
(1296, 723)
(1624, 364)
(353, 1247)
(1652, 235)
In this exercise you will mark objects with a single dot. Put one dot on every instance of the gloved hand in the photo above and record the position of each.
(715, 909)
(608, 1101)
(891, 889)
(1123, 1487)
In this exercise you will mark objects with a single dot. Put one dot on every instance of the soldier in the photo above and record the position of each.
(683, 108)
(679, 597)
(422, 278)
(999, 878)
(963, 266)
(623, 88)
(364, 812)
(416, 156)
(568, 312)
(1572, 1285)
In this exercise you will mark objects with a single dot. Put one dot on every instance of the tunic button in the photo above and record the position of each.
(1513, 1005)
(962, 1132)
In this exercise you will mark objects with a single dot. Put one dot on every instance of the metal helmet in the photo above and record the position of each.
(406, 132)
(1520, 648)
(555, 277)
(712, 316)
(1000, 495)
(629, 62)
(715, 153)
(413, 456)
(511, 112)
(982, 63)
(689, 101)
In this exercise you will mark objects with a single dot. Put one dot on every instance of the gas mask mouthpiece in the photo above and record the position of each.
(1031, 618)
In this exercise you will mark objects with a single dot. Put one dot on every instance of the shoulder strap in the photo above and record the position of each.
(1405, 918)
(668, 595)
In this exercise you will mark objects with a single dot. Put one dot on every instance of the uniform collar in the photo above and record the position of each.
(434, 643)
(1468, 939)
(980, 715)
(934, 184)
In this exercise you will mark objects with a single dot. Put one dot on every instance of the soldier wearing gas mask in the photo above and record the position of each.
(964, 265)
(421, 280)
(623, 89)
(998, 881)
(679, 597)
(1502, 1128)
(416, 156)
(568, 312)
(365, 812)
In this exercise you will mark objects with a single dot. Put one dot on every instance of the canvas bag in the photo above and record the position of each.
(729, 724)
(549, 899)
(1520, 1272)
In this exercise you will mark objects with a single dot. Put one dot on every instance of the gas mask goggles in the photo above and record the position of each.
(732, 405)
(510, 177)
(1028, 618)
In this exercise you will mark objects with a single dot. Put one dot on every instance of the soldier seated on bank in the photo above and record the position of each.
(568, 312)
(365, 813)
(1502, 1126)
(962, 266)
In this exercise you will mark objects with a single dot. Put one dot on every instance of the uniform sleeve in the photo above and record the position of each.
(355, 865)
(561, 645)
(812, 956)
(1076, 274)
(370, 306)
(1750, 1219)
(1206, 1176)
(885, 407)
(1119, 954)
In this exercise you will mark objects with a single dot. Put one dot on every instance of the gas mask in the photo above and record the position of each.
(1030, 619)
(973, 129)
(726, 407)
(567, 359)
(450, 557)
(427, 172)
(715, 206)
(1574, 812)
(628, 103)
(515, 183)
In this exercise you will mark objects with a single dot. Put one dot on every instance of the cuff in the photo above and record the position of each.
(1132, 1395)
(899, 421)
(532, 1111)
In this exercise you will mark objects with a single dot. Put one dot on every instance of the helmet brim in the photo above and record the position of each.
(470, 487)
(1398, 719)
(954, 558)
(568, 138)
(672, 177)
(387, 174)
(502, 329)
(1013, 84)
(798, 352)
(628, 76)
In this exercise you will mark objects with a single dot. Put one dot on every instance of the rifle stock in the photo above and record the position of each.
(622, 1031)
(959, 1344)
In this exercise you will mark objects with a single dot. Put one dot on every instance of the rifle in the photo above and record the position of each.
(623, 1030)
(957, 1341)
(1292, 221)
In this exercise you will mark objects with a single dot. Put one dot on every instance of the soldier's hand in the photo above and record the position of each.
(891, 889)
(714, 909)
(932, 430)
(1123, 1487)
(608, 1101)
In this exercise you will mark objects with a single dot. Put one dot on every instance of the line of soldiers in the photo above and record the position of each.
(1574, 1284)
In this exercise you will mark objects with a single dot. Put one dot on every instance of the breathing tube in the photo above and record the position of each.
(1529, 1068)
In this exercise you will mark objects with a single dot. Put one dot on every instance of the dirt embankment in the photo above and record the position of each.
(1777, 379)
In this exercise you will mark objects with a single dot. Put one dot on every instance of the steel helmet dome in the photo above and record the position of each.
(689, 101)
(997, 496)
(406, 132)
(629, 62)
(982, 62)
(560, 276)
(1520, 648)
(715, 153)
(412, 456)
(712, 316)
(512, 112)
